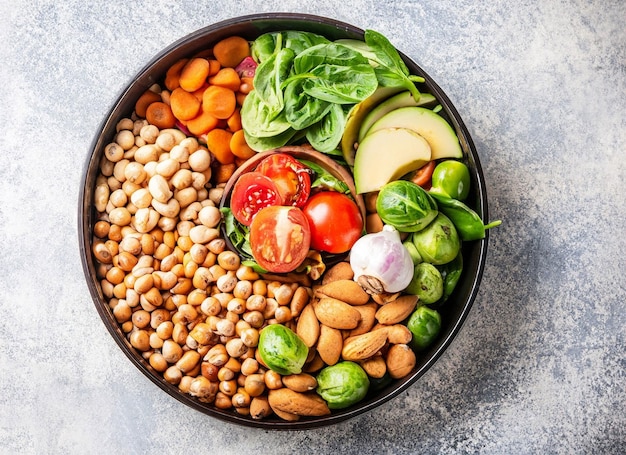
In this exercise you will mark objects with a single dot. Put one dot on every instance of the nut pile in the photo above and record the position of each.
(194, 312)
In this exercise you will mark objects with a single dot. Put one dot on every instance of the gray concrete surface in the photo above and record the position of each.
(538, 367)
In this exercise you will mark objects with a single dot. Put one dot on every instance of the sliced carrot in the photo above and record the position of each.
(173, 74)
(239, 146)
(194, 74)
(226, 77)
(240, 97)
(231, 51)
(214, 67)
(200, 92)
(218, 143)
(201, 124)
(219, 101)
(160, 115)
(185, 105)
(146, 99)
(234, 121)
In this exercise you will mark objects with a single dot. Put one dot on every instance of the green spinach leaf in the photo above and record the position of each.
(325, 135)
(341, 84)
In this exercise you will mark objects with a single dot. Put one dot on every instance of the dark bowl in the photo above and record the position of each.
(453, 313)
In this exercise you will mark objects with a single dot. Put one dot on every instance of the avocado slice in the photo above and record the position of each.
(402, 99)
(356, 116)
(386, 155)
(442, 139)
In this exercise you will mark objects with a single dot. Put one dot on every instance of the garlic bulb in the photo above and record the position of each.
(381, 263)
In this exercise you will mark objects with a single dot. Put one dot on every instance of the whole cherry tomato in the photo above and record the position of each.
(290, 176)
(335, 221)
(252, 192)
(280, 238)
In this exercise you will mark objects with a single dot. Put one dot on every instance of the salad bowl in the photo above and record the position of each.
(453, 312)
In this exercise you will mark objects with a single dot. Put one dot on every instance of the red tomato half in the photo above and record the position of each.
(252, 192)
(290, 176)
(335, 221)
(280, 238)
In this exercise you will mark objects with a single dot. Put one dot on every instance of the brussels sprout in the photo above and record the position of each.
(439, 242)
(405, 206)
(342, 384)
(282, 350)
(427, 283)
(410, 246)
(424, 324)
(451, 273)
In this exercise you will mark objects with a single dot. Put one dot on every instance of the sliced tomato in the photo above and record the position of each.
(290, 176)
(280, 238)
(335, 221)
(423, 175)
(252, 192)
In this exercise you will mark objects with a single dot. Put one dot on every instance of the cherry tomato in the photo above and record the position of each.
(335, 221)
(290, 176)
(422, 176)
(252, 192)
(280, 238)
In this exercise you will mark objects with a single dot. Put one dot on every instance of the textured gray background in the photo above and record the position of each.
(538, 367)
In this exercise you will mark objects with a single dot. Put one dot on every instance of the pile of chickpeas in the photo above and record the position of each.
(184, 301)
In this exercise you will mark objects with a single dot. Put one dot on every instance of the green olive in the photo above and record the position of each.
(452, 178)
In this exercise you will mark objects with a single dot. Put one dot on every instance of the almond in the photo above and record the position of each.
(368, 318)
(299, 301)
(400, 360)
(336, 313)
(308, 327)
(302, 382)
(399, 334)
(301, 404)
(361, 347)
(339, 271)
(348, 291)
(397, 311)
(375, 367)
(329, 344)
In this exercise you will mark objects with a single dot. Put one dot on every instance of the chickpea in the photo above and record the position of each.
(165, 329)
(210, 216)
(114, 152)
(126, 140)
(250, 337)
(228, 387)
(241, 399)
(217, 355)
(227, 282)
(223, 401)
(158, 362)
(141, 319)
(173, 375)
(122, 312)
(200, 160)
(188, 361)
(140, 340)
(272, 380)
(254, 318)
(229, 260)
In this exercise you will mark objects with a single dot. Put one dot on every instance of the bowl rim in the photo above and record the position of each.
(85, 215)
